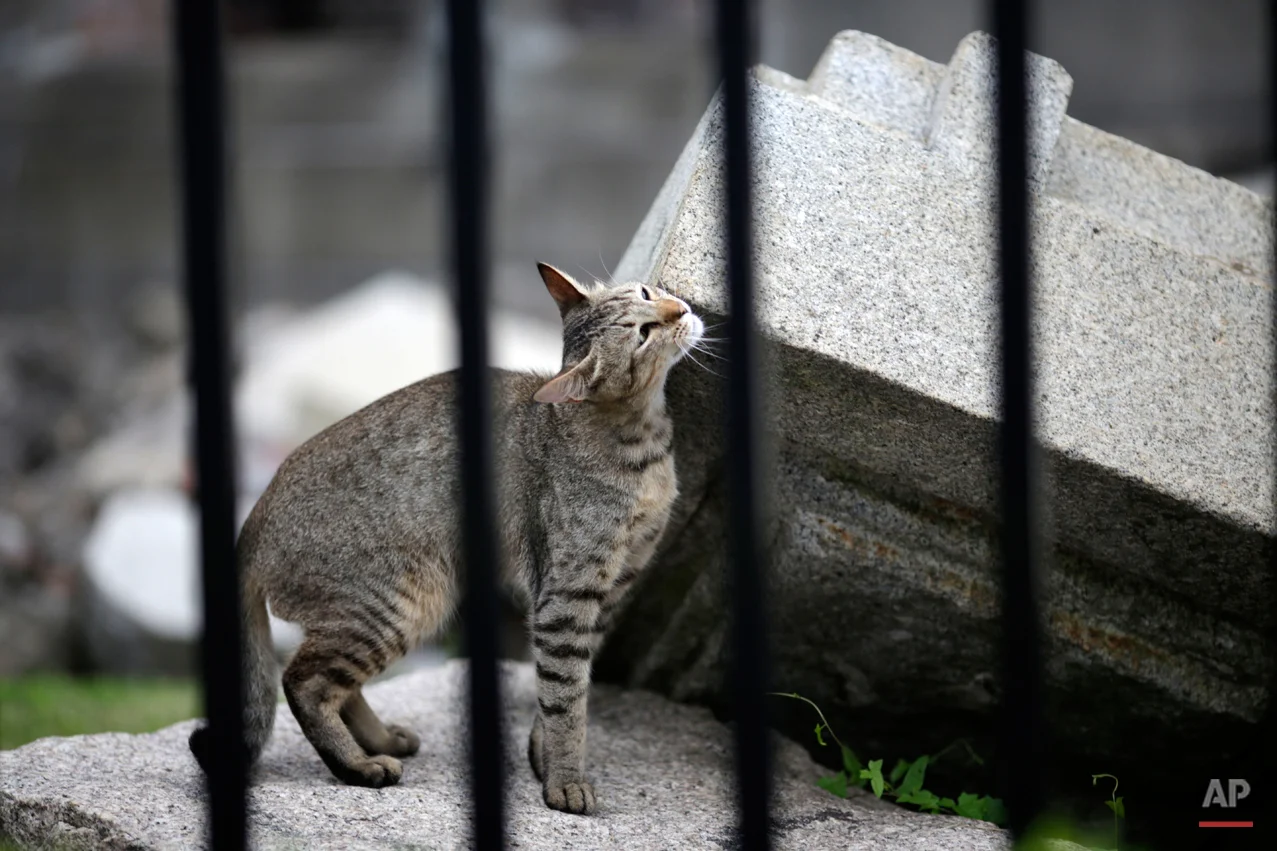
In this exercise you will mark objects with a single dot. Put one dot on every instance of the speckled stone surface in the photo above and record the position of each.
(662, 771)
(964, 113)
(1153, 359)
(875, 278)
(878, 82)
(1163, 198)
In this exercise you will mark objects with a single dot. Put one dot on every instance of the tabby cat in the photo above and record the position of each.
(357, 537)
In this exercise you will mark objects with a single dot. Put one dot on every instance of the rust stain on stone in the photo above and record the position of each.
(953, 510)
(876, 548)
(969, 591)
(1117, 646)
(980, 595)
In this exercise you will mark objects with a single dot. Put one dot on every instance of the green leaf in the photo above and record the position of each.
(836, 785)
(819, 737)
(995, 811)
(852, 766)
(1118, 808)
(926, 801)
(948, 804)
(874, 775)
(922, 799)
(914, 776)
(970, 806)
(899, 771)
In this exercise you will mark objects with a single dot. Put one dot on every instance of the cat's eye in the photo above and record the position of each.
(647, 296)
(645, 330)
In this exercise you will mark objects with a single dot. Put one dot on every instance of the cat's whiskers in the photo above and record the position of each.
(687, 351)
(709, 347)
(610, 276)
(709, 352)
(587, 273)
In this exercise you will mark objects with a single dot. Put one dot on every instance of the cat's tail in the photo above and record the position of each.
(260, 681)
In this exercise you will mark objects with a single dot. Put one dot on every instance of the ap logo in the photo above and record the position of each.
(1237, 789)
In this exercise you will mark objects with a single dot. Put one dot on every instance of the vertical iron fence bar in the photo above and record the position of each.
(201, 128)
(742, 424)
(468, 175)
(1022, 729)
(1269, 724)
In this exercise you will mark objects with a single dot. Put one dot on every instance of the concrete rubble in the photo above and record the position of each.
(877, 293)
(663, 773)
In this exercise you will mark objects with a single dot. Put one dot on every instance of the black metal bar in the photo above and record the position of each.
(1268, 755)
(468, 184)
(742, 423)
(1022, 748)
(201, 128)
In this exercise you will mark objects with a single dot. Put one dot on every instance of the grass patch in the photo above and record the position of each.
(32, 707)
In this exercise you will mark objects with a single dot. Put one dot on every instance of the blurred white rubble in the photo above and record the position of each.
(300, 372)
(305, 373)
(142, 578)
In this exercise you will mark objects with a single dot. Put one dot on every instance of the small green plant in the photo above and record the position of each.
(904, 782)
(1114, 803)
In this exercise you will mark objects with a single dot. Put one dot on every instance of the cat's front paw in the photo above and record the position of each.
(569, 795)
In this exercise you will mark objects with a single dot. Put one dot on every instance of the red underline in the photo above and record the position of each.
(1225, 824)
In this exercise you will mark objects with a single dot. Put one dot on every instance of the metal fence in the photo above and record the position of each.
(203, 171)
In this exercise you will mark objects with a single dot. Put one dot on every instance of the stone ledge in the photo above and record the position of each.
(663, 773)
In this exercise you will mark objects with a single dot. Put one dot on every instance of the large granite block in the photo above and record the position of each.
(875, 244)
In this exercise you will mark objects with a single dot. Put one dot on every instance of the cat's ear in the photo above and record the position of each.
(570, 385)
(567, 293)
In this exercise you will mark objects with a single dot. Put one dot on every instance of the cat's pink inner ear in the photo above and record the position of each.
(565, 291)
(551, 392)
(568, 386)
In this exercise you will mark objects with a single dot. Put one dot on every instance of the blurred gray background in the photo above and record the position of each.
(338, 159)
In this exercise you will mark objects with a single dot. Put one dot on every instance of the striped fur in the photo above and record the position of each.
(356, 538)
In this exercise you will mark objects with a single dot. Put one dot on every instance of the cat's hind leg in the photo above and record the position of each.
(381, 633)
(371, 734)
(320, 680)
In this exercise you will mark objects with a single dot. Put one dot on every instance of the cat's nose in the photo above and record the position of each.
(671, 310)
